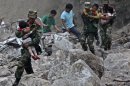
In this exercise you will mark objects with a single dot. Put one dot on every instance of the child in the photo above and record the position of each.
(23, 26)
(108, 17)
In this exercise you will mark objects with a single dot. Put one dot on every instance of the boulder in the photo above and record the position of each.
(58, 71)
(5, 81)
(80, 74)
(117, 69)
(94, 62)
(32, 80)
(62, 43)
(127, 45)
(4, 72)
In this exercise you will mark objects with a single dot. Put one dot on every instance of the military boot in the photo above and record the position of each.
(16, 82)
(85, 47)
(97, 42)
(93, 51)
(83, 44)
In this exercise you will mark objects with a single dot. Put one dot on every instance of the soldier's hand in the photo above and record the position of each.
(27, 30)
(90, 16)
(68, 30)
(44, 25)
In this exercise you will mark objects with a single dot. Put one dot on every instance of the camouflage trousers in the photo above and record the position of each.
(105, 34)
(90, 39)
(24, 63)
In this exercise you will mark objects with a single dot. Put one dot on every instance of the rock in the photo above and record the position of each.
(117, 67)
(78, 46)
(62, 43)
(80, 74)
(68, 82)
(58, 71)
(127, 45)
(122, 13)
(32, 80)
(5, 81)
(3, 60)
(121, 41)
(4, 72)
(61, 55)
(44, 75)
(94, 62)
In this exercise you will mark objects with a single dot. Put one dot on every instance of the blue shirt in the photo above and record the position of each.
(68, 17)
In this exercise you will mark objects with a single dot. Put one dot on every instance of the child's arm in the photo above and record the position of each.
(28, 32)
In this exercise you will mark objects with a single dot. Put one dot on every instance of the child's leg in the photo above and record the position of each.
(30, 51)
(35, 52)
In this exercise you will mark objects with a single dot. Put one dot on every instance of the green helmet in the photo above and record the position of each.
(32, 14)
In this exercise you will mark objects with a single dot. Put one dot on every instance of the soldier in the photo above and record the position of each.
(107, 19)
(86, 10)
(25, 59)
(90, 18)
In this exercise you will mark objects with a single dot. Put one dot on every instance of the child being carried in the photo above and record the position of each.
(23, 26)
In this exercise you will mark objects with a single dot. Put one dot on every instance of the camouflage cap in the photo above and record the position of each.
(87, 4)
(32, 14)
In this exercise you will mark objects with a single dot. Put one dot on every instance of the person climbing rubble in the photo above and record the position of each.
(106, 21)
(25, 59)
(90, 19)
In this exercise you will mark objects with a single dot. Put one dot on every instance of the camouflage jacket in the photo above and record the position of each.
(91, 24)
(35, 37)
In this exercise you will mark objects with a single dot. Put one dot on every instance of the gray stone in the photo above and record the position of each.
(5, 81)
(32, 80)
(117, 67)
(80, 74)
(94, 62)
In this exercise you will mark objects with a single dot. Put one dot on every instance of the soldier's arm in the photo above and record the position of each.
(84, 11)
(19, 34)
(98, 16)
(35, 40)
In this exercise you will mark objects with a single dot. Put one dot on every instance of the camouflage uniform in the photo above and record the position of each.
(25, 59)
(105, 31)
(90, 31)
(105, 34)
